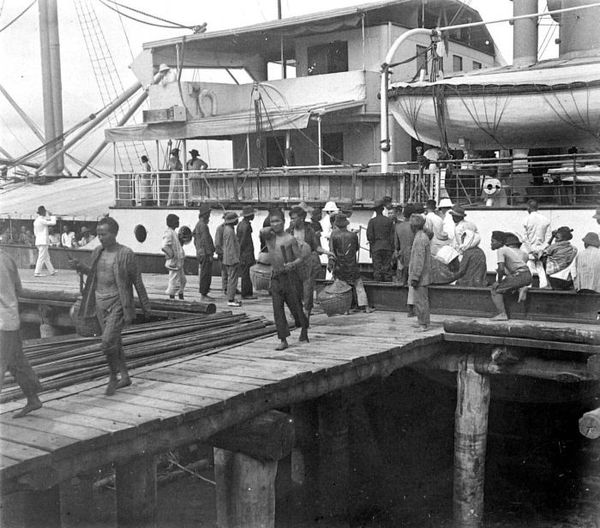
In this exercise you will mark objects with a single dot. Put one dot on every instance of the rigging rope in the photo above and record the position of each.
(18, 16)
(172, 25)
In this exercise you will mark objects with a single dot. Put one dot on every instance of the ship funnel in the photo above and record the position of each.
(579, 36)
(525, 33)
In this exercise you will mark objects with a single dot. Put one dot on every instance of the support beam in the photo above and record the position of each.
(589, 424)
(267, 437)
(136, 492)
(334, 455)
(470, 439)
(532, 367)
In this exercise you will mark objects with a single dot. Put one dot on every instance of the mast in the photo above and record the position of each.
(51, 82)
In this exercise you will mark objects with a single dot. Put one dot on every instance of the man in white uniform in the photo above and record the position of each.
(40, 230)
(536, 238)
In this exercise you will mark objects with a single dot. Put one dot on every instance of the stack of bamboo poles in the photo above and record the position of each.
(65, 360)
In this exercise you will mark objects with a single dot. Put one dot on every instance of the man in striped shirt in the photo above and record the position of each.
(586, 268)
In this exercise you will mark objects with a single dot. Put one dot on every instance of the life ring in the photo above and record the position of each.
(205, 109)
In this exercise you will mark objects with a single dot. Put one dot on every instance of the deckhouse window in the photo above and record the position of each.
(457, 63)
(275, 151)
(476, 65)
(333, 147)
(328, 58)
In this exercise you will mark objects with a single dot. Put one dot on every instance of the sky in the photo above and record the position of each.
(20, 53)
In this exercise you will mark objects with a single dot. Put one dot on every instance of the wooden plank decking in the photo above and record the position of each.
(192, 398)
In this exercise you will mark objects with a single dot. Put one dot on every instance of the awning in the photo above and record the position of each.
(227, 125)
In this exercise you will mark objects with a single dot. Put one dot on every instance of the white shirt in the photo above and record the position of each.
(435, 225)
(537, 231)
(67, 239)
(40, 229)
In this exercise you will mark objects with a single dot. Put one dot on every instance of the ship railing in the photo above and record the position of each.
(358, 185)
(551, 179)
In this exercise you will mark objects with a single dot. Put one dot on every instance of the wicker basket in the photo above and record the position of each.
(84, 326)
(260, 275)
(336, 298)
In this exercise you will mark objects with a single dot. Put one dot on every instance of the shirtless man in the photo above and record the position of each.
(108, 293)
(286, 285)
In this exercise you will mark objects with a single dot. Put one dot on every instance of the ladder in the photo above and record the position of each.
(108, 80)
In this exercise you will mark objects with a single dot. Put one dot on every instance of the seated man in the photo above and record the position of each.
(513, 273)
(557, 259)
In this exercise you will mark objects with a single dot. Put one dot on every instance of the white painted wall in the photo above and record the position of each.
(486, 220)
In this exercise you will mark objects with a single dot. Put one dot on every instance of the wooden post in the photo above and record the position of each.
(305, 457)
(470, 437)
(246, 458)
(334, 457)
(41, 508)
(245, 490)
(136, 492)
(77, 500)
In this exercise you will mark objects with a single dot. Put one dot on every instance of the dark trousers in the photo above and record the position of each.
(204, 273)
(246, 282)
(286, 288)
(421, 302)
(382, 265)
(13, 359)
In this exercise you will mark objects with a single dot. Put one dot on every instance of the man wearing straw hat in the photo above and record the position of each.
(108, 294)
(419, 270)
(247, 259)
(205, 249)
(231, 256)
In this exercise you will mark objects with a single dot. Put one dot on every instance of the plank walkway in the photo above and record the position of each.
(191, 398)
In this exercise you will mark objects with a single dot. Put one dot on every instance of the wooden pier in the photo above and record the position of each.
(233, 399)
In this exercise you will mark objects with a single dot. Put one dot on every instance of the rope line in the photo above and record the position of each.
(18, 16)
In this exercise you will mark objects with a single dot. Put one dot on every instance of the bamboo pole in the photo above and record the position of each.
(470, 439)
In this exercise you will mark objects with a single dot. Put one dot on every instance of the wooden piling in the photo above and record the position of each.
(245, 490)
(246, 458)
(136, 492)
(334, 455)
(470, 438)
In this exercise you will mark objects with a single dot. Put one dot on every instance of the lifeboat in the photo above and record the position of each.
(550, 104)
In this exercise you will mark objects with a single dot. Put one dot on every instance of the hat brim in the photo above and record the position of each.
(454, 213)
(253, 212)
(597, 215)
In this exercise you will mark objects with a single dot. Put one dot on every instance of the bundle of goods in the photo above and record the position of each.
(336, 298)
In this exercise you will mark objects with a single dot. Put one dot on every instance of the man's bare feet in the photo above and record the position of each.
(33, 403)
(283, 344)
(111, 387)
(303, 336)
(523, 294)
(500, 317)
(123, 382)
